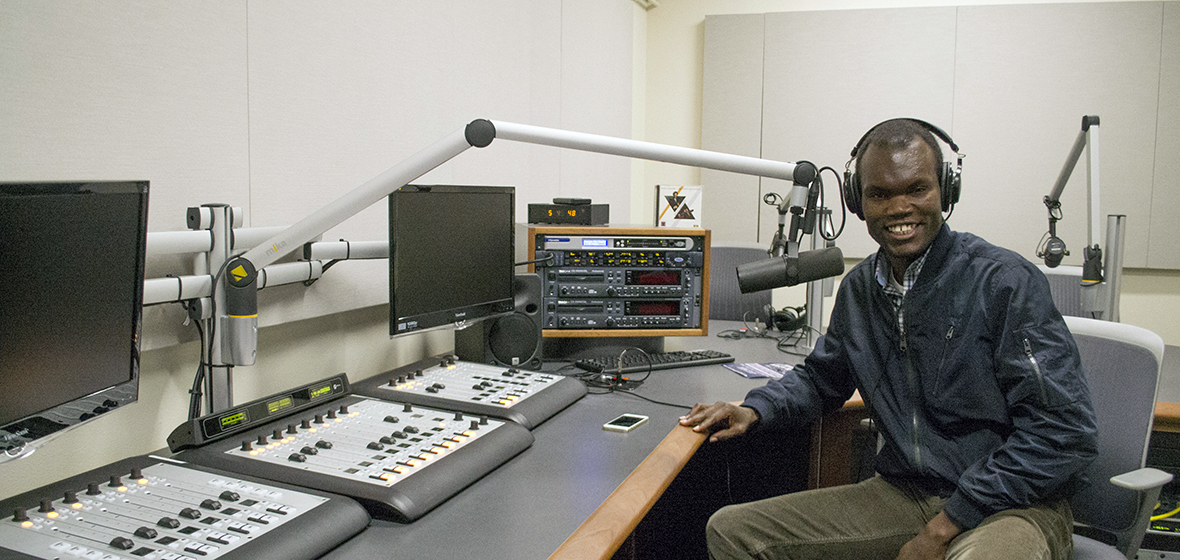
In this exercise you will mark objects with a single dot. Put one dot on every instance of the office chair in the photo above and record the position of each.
(1122, 366)
(1065, 285)
(726, 301)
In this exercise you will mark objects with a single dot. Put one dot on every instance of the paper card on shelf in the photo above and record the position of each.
(678, 206)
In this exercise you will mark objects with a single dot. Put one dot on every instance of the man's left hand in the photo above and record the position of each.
(932, 542)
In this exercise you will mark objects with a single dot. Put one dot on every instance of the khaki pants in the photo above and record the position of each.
(873, 519)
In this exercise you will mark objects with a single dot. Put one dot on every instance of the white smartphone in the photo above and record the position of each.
(625, 423)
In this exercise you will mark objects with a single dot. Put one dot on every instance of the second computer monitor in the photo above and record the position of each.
(450, 255)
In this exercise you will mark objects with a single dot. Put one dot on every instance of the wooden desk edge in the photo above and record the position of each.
(605, 530)
(1167, 417)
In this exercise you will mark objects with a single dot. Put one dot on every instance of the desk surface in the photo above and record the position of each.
(531, 504)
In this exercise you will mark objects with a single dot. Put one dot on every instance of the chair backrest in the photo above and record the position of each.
(1065, 285)
(726, 301)
(1122, 366)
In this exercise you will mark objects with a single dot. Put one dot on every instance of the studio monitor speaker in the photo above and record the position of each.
(511, 340)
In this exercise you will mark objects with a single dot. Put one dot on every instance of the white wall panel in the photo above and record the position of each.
(596, 98)
(1024, 76)
(1162, 249)
(830, 76)
(127, 90)
(733, 88)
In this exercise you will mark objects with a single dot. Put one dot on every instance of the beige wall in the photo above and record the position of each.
(675, 60)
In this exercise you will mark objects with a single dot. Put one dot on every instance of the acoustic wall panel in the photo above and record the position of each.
(280, 107)
(1024, 76)
(1162, 249)
(1010, 83)
(134, 89)
(832, 75)
(733, 86)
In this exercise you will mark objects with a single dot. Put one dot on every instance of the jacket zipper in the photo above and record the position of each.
(912, 379)
(1037, 369)
(942, 360)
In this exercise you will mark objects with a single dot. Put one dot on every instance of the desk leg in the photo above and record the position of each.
(831, 460)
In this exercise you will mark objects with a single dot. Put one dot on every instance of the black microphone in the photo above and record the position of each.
(788, 271)
(1054, 251)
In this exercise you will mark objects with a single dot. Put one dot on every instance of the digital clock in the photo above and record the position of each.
(581, 214)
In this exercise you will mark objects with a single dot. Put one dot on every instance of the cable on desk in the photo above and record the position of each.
(595, 381)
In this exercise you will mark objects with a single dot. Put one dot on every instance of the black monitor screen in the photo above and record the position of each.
(450, 255)
(71, 297)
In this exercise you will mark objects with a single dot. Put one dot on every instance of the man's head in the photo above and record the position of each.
(898, 166)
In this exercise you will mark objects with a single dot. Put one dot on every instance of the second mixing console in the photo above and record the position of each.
(526, 397)
(398, 459)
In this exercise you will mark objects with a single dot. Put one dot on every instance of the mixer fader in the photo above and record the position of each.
(526, 397)
(158, 509)
(398, 459)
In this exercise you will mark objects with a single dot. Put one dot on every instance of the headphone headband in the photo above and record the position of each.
(949, 177)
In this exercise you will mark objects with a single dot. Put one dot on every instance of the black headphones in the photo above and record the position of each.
(949, 177)
(787, 319)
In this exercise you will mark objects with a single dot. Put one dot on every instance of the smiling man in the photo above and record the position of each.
(968, 372)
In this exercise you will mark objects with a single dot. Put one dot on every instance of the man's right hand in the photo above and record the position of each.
(724, 420)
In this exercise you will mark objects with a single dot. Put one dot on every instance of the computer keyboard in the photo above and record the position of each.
(636, 362)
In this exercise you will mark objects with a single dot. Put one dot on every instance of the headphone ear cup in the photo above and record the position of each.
(951, 186)
(852, 194)
(768, 313)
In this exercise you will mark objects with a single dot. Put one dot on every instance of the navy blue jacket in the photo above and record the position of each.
(980, 398)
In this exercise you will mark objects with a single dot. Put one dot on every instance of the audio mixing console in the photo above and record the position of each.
(526, 397)
(399, 460)
(159, 509)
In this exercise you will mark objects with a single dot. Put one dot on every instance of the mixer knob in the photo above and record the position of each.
(291, 429)
(122, 543)
(230, 496)
(262, 441)
(19, 515)
(483, 420)
(116, 481)
(392, 419)
(474, 425)
(323, 444)
(401, 379)
(387, 440)
(136, 473)
(190, 513)
(309, 450)
(212, 504)
(432, 389)
(71, 497)
(319, 418)
(343, 409)
(305, 424)
(458, 416)
(92, 489)
(146, 533)
(399, 435)
(46, 506)
(246, 446)
(331, 414)
(297, 457)
(375, 446)
(610, 322)
(408, 408)
(411, 429)
(168, 522)
(277, 434)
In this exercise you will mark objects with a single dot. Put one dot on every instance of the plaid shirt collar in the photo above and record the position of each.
(892, 288)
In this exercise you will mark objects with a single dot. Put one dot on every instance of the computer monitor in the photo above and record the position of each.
(450, 255)
(71, 303)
